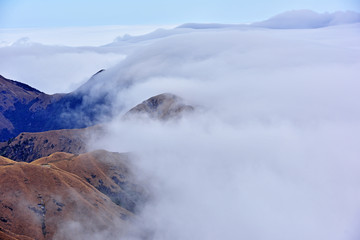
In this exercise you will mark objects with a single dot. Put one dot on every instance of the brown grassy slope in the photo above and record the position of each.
(43, 201)
(5, 161)
(6, 235)
(108, 172)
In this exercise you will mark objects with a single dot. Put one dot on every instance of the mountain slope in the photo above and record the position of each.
(110, 173)
(43, 198)
(52, 199)
(18, 105)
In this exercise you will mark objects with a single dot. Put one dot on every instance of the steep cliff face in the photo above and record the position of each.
(64, 195)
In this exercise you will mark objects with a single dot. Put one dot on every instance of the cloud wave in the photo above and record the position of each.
(270, 154)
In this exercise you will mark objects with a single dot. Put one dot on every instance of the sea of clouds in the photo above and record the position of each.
(271, 151)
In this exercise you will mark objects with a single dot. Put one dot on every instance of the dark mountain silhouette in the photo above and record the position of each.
(26, 109)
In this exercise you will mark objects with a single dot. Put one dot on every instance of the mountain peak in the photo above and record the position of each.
(163, 106)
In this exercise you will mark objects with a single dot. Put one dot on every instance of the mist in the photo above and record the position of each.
(270, 151)
(53, 69)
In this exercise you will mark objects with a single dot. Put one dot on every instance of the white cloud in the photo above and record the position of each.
(43, 59)
(259, 181)
(53, 69)
(75, 36)
(309, 19)
(271, 154)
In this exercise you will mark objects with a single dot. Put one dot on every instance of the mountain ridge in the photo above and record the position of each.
(29, 146)
(26, 109)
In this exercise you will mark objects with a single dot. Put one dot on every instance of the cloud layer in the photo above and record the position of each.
(309, 19)
(271, 152)
(62, 69)
(53, 69)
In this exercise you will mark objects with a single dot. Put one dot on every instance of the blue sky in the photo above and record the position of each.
(55, 13)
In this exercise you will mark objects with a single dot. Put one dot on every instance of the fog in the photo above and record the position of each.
(75, 36)
(269, 153)
(271, 150)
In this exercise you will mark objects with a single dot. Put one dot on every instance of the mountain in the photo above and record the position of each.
(108, 172)
(65, 196)
(18, 105)
(163, 107)
(26, 109)
(27, 147)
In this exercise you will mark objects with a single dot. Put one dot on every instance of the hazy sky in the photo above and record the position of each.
(39, 13)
